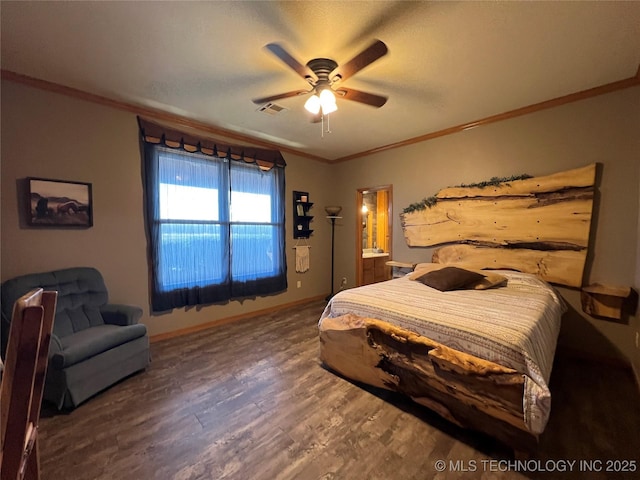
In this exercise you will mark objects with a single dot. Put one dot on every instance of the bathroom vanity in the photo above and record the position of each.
(374, 266)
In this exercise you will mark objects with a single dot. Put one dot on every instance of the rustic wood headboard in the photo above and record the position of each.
(539, 225)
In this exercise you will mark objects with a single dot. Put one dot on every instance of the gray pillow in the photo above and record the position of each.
(450, 278)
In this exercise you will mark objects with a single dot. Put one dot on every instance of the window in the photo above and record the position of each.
(216, 228)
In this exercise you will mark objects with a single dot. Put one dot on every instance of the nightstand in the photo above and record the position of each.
(607, 301)
(400, 269)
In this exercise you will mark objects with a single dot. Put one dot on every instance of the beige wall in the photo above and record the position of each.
(54, 136)
(603, 129)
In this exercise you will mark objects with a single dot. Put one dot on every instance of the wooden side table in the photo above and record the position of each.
(400, 269)
(604, 300)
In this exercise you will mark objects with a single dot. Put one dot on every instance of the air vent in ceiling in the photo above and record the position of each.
(272, 109)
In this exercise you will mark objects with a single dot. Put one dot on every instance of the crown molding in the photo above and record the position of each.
(536, 107)
(148, 112)
(179, 120)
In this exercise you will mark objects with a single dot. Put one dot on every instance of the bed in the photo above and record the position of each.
(480, 358)
(481, 353)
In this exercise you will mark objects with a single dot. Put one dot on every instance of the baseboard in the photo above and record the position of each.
(222, 321)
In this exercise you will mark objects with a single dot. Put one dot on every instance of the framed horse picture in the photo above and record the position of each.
(59, 203)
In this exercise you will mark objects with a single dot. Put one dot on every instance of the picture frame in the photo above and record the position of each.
(59, 203)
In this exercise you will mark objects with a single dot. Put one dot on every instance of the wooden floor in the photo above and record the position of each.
(250, 400)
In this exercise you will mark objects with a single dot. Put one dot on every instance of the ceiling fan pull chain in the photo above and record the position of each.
(322, 125)
(328, 130)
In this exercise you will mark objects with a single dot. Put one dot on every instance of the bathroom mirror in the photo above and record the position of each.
(374, 231)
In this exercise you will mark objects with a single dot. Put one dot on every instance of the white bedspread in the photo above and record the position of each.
(515, 326)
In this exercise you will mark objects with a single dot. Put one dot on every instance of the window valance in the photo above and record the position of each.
(156, 133)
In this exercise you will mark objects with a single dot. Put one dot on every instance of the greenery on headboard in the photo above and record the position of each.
(494, 182)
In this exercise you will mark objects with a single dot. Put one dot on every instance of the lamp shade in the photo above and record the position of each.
(329, 108)
(328, 101)
(333, 211)
(327, 97)
(312, 105)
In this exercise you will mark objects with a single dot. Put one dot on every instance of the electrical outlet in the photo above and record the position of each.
(299, 284)
(344, 282)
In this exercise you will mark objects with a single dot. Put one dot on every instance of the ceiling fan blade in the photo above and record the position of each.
(369, 55)
(294, 93)
(295, 65)
(362, 97)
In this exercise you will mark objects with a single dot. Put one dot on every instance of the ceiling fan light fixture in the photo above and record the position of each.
(329, 108)
(328, 101)
(325, 102)
(312, 105)
(322, 73)
(327, 97)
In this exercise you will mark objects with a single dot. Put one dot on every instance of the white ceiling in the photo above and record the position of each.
(449, 63)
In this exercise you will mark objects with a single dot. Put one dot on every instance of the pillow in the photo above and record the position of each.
(490, 280)
(450, 278)
(422, 268)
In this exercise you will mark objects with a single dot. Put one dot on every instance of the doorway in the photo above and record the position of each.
(374, 233)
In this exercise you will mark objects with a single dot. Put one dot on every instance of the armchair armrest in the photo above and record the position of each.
(115, 314)
(55, 346)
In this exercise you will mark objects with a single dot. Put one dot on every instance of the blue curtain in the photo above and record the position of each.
(215, 225)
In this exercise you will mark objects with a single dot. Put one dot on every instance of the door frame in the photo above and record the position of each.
(359, 198)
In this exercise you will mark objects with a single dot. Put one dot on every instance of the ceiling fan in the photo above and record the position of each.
(323, 74)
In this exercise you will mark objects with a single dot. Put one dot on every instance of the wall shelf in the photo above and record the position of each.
(301, 217)
(605, 300)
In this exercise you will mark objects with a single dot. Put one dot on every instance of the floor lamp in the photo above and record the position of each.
(332, 214)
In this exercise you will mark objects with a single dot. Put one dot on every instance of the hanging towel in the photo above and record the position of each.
(302, 258)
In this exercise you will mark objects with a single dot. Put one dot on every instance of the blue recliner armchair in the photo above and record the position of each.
(94, 344)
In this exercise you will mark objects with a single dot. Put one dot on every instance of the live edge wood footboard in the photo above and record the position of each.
(470, 392)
